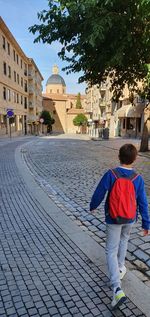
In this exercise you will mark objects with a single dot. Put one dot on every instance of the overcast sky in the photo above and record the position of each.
(18, 16)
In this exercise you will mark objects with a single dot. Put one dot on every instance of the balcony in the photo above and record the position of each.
(31, 75)
(102, 103)
(31, 90)
(32, 118)
(31, 105)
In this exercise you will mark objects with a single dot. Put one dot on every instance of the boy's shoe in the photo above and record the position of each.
(122, 272)
(118, 299)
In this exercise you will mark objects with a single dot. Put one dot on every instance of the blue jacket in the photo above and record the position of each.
(105, 185)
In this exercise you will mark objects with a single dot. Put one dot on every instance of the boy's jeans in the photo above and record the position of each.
(117, 237)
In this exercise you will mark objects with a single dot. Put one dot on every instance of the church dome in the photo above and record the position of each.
(55, 78)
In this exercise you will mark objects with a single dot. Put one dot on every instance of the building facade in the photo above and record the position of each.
(14, 85)
(124, 118)
(35, 97)
(99, 105)
(62, 106)
(128, 115)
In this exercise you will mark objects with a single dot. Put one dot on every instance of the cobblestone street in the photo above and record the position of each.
(69, 170)
(42, 272)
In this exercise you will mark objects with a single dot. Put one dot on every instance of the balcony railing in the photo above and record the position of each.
(31, 105)
(31, 90)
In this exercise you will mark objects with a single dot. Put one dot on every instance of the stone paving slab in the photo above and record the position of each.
(69, 169)
(94, 252)
(42, 272)
(133, 287)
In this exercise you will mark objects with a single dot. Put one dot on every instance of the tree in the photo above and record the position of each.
(48, 120)
(78, 103)
(80, 120)
(101, 38)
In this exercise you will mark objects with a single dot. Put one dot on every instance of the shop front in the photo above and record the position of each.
(130, 120)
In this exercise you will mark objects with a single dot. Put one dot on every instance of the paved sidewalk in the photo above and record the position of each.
(42, 271)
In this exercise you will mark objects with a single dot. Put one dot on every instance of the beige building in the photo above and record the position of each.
(35, 97)
(15, 80)
(99, 105)
(128, 115)
(124, 118)
(61, 105)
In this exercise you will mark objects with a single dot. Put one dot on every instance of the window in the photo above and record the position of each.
(21, 100)
(128, 123)
(17, 58)
(4, 43)
(5, 68)
(58, 91)
(18, 79)
(14, 76)
(25, 102)
(21, 63)
(21, 82)
(9, 71)
(54, 111)
(124, 123)
(25, 69)
(9, 95)
(14, 54)
(25, 86)
(17, 98)
(14, 96)
(50, 91)
(139, 124)
(8, 48)
(4, 93)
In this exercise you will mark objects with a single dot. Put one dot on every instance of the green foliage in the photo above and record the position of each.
(48, 120)
(100, 38)
(78, 103)
(80, 120)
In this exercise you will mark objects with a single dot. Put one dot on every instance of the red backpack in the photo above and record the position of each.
(122, 198)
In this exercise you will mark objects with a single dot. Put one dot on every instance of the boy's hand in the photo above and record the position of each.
(145, 232)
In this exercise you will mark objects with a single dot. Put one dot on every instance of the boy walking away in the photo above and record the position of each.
(126, 196)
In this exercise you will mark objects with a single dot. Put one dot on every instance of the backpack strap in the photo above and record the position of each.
(117, 174)
(133, 176)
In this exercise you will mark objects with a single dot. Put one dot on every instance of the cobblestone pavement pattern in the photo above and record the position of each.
(42, 273)
(69, 169)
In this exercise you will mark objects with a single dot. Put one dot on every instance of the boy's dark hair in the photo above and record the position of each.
(127, 154)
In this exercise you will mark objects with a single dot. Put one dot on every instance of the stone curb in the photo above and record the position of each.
(135, 290)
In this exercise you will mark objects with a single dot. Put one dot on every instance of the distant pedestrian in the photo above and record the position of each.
(126, 196)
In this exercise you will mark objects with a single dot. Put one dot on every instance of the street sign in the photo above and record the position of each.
(10, 113)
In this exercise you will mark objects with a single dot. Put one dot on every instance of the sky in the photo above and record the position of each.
(19, 15)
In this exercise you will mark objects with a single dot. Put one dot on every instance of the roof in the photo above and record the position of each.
(31, 60)
(55, 97)
(73, 96)
(55, 79)
(75, 111)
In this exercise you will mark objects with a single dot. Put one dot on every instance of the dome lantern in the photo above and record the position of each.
(55, 78)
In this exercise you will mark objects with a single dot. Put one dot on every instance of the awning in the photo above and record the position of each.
(135, 111)
(122, 112)
(130, 111)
